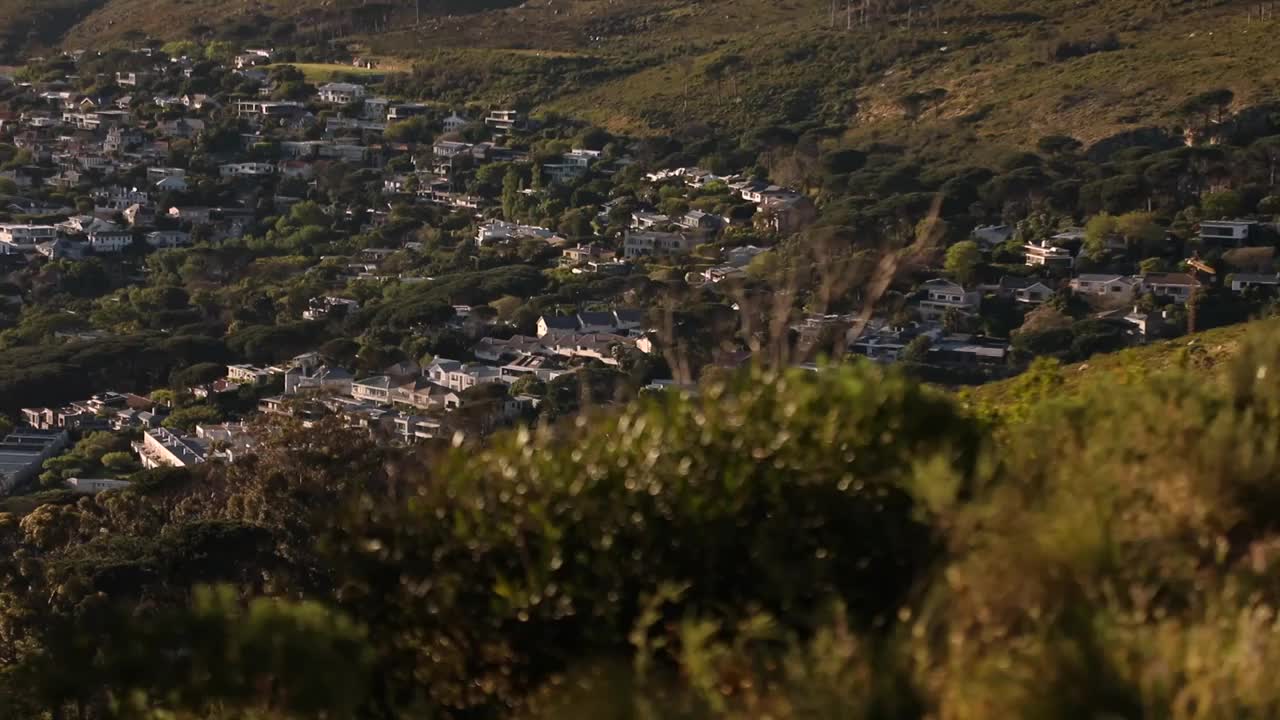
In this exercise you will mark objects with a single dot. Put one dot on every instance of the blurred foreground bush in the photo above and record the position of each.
(838, 544)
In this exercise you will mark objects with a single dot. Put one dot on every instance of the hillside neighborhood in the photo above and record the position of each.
(428, 272)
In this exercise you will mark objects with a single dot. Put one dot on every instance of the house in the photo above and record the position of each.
(454, 123)
(191, 215)
(596, 322)
(557, 323)
(168, 238)
(161, 447)
(496, 231)
(942, 295)
(138, 215)
(740, 257)
(419, 393)
(322, 307)
(503, 120)
(572, 165)
(1240, 282)
(375, 390)
(1227, 233)
(1024, 290)
(249, 375)
(583, 254)
(323, 379)
(1047, 256)
(439, 369)
(86, 486)
(246, 169)
(400, 112)
(718, 274)
(1147, 324)
(340, 93)
(1176, 286)
(470, 375)
(26, 237)
(787, 214)
(992, 235)
(182, 128)
(171, 183)
(699, 221)
(109, 240)
(642, 220)
(23, 452)
(61, 248)
(1116, 289)
(646, 244)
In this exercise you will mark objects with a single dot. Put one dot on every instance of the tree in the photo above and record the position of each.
(1220, 205)
(120, 462)
(1058, 145)
(917, 351)
(1141, 232)
(963, 260)
(1097, 234)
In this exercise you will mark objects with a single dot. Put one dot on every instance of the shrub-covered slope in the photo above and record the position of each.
(837, 544)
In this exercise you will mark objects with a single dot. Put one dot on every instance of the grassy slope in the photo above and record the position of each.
(1203, 351)
(649, 60)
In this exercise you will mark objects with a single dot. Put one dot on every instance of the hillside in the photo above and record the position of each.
(1203, 353)
(991, 70)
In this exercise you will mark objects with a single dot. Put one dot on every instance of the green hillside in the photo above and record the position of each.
(1203, 354)
(993, 70)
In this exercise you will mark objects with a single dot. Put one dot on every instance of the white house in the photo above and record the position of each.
(644, 244)
(942, 295)
(109, 241)
(26, 237)
(375, 390)
(1227, 233)
(340, 93)
(1046, 255)
(1113, 288)
(502, 231)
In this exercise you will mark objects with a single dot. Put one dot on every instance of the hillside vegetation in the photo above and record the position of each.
(994, 70)
(844, 544)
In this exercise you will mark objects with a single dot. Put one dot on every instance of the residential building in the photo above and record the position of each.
(340, 93)
(323, 379)
(26, 237)
(1240, 282)
(375, 389)
(992, 235)
(162, 447)
(1049, 256)
(168, 238)
(1227, 233)
(87, 486)
(1176, 286)
(400, 112)
(454, 123)
(942, 295)
(1117, 289)
(23, 452)
(786, 214)
(250, 375)
(496, 231)
(247, 169)
(504, 120)
(646, 244)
